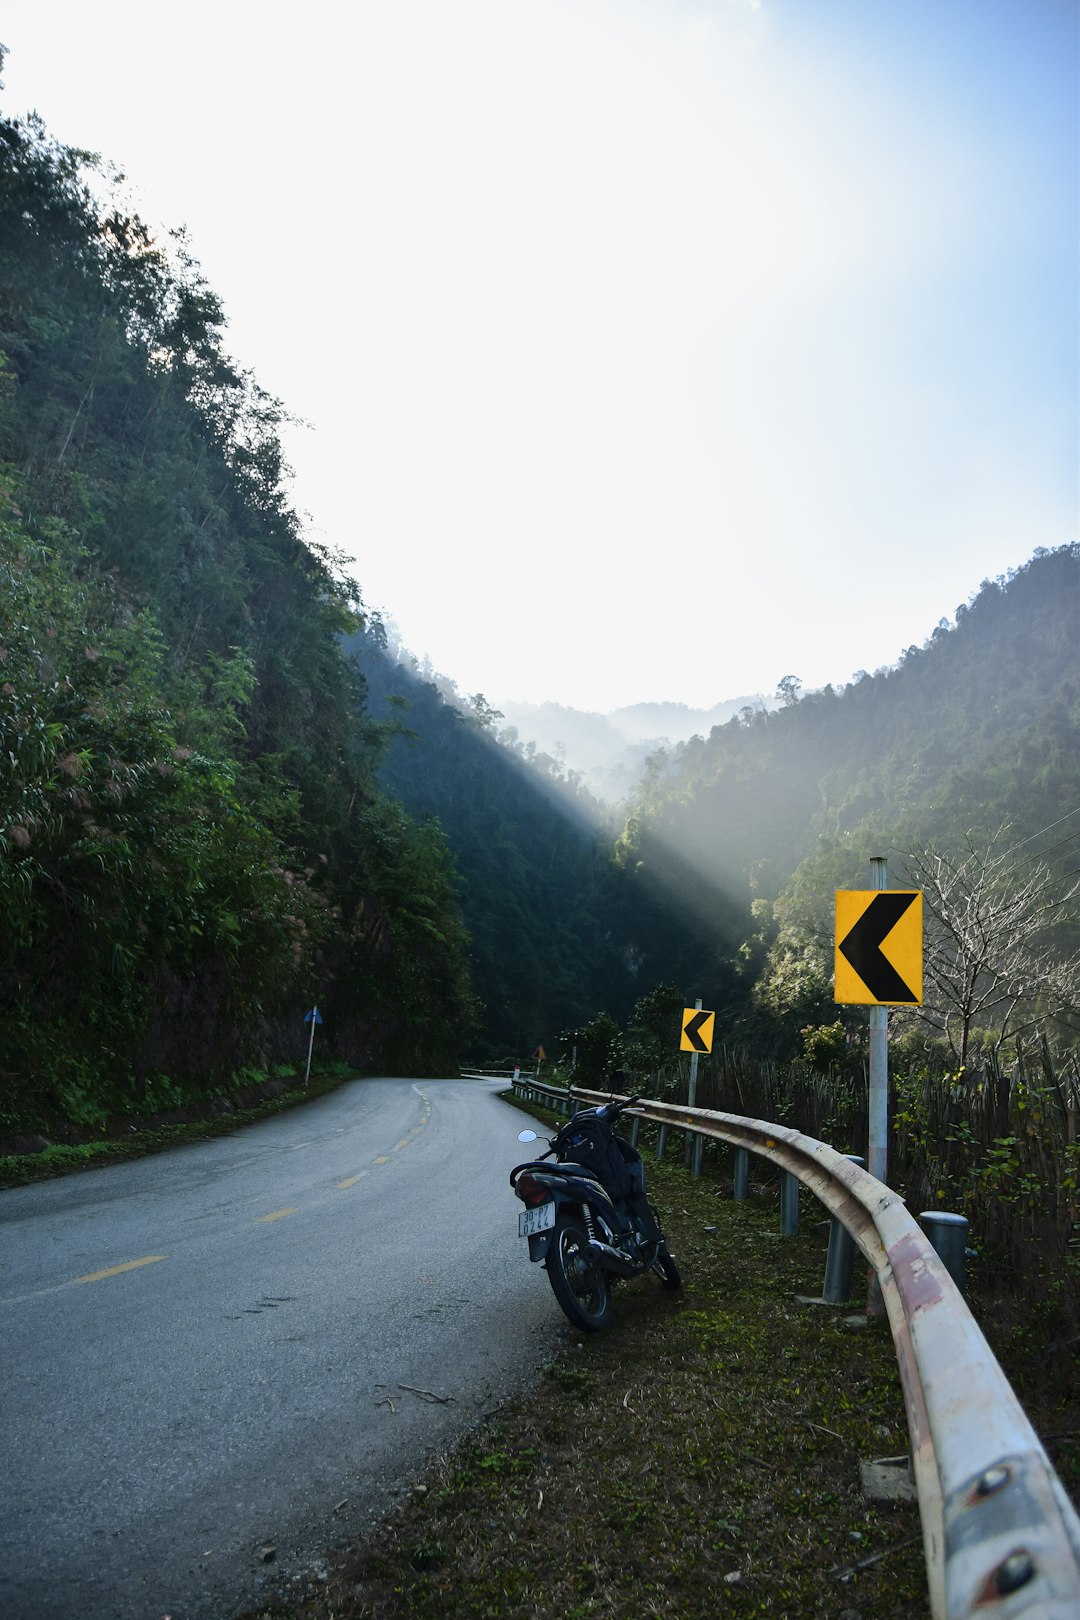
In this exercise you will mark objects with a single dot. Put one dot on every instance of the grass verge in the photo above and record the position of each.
(133, 1139)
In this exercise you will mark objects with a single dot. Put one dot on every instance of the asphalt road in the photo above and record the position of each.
(201, 1348)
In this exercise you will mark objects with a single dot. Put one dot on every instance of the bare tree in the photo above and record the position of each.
(993, 958)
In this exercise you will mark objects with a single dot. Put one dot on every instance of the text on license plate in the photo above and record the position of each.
(536, 1220)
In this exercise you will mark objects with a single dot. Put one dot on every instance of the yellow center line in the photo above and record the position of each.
(384, 1158)
(277, 1214)
(114, 1271)
(350, 1181)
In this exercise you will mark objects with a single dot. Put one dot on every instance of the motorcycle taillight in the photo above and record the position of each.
(530, 1191)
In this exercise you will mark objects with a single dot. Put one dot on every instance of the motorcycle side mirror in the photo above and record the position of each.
(528, 1136)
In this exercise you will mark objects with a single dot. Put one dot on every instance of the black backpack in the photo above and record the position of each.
(592, 1143)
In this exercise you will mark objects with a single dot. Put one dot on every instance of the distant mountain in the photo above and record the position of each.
(610, 750)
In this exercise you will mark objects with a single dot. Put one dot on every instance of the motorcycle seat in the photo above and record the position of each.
(570, 1167)
(562, 1167)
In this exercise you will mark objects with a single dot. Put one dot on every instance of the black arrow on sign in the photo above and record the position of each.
(692, 1030)
(862, 947)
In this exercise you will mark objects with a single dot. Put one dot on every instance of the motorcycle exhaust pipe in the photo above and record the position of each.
(612, 1259)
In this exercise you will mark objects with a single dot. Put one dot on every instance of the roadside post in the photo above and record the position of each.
(697, 1036)
(789, 1204)
(313, 1017)
(840, 1259)
(878, 1123)
(878, 962)
(948, 1234)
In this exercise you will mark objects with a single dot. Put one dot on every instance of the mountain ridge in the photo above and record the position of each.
(609, 749)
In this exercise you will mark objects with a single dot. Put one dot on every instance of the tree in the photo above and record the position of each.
(481, 712)
(597, 1049)
(994, 959)
(788, 689)
(652, 1030)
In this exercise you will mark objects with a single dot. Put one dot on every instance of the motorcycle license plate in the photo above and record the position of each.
(536, 1220)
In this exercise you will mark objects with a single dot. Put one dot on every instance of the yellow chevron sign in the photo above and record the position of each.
(879, 947)
(697, 1030)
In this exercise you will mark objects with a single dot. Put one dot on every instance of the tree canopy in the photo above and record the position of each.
(194, 847)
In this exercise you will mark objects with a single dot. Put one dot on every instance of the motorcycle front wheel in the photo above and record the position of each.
(577, 1282)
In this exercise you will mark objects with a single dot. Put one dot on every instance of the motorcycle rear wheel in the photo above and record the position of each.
(666, 1269)
(577, 1282)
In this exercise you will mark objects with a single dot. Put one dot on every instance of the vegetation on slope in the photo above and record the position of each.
(222, 801)
(970, 742)
(557, 926)
(193, 848)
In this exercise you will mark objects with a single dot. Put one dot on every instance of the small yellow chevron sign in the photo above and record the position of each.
(879, 947)
(697, 1030)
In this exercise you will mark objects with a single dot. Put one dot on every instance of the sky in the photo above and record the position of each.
(641, 349)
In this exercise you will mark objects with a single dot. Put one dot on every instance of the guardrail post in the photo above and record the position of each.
(634, 1128)
(662, 1143)
(695, 1155)
(789, 1204)
(741, 1183)
(948, 1234)
(840, 1260)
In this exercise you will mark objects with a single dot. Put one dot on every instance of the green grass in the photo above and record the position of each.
(133, 1139)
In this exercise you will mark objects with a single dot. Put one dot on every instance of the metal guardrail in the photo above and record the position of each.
(1000, 1536)
(474, 1072)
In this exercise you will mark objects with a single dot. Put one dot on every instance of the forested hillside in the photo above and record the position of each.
(978, 730)
(193, 848)
(222, 799)
(559, 928)
(962, 758)
(212, 815)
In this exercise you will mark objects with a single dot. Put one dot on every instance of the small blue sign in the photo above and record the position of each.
(317, 1015)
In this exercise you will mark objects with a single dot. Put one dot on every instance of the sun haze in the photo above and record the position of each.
(650, 349)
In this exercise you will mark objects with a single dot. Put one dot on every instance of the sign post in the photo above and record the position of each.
(697, 1034)
(695, 1043)
(313, 1017)
(878, 962)
(877, 1153)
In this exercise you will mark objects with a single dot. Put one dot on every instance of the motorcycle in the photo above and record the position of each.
(587, 1216)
